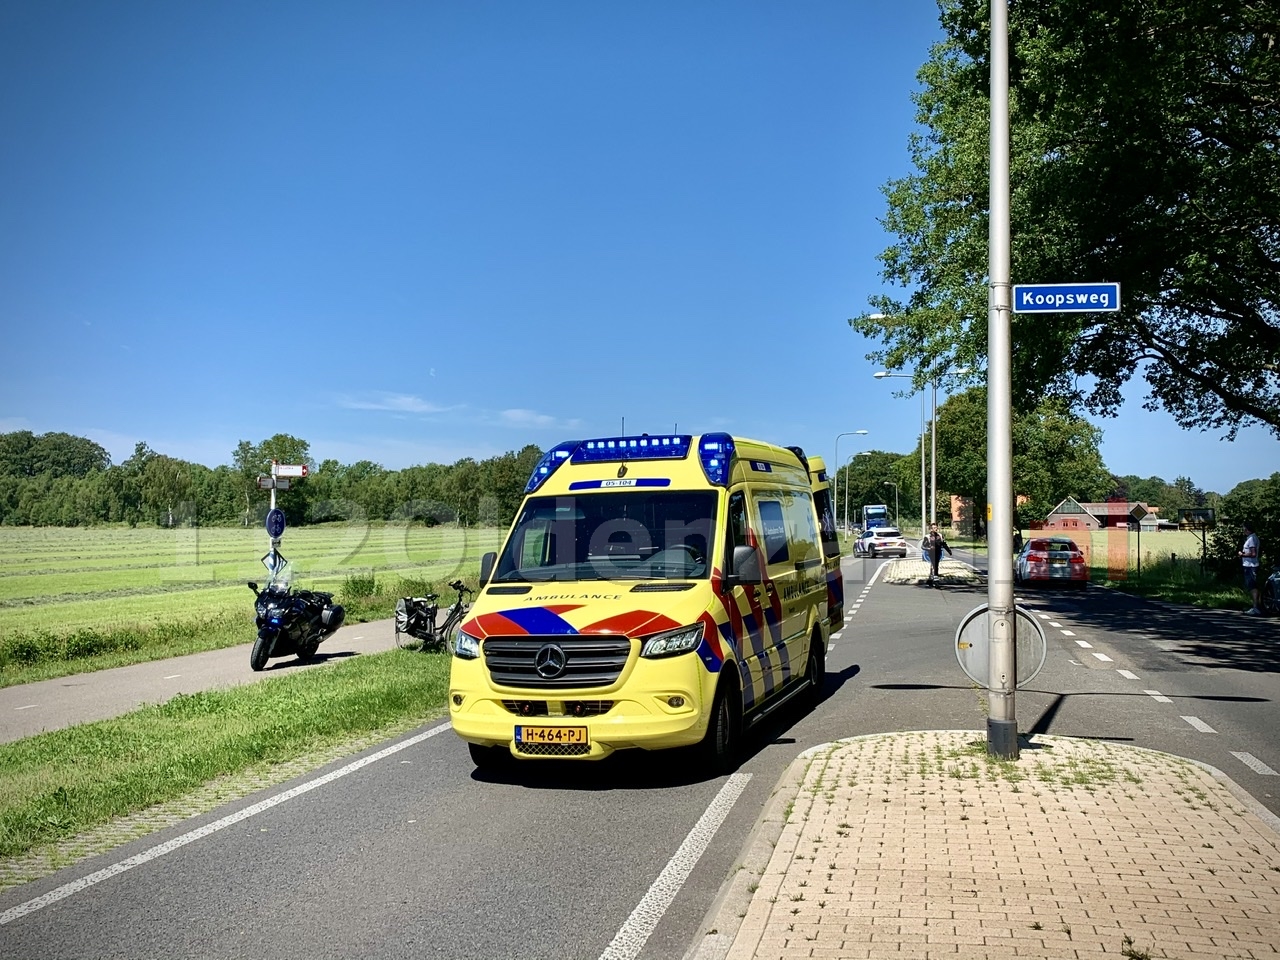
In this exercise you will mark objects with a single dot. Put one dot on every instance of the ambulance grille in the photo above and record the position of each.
(590, 661)
(572, 708)
(554, 749)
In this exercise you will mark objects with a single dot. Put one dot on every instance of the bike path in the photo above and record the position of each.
(30, 708)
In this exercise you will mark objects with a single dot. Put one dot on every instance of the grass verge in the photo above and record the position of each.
(58, 784)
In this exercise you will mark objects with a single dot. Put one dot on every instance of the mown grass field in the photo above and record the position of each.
(62, 579)
(76, 600)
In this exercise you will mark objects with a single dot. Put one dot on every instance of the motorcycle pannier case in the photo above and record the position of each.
(332, 617)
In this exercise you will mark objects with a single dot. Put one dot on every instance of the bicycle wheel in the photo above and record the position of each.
(449, 632)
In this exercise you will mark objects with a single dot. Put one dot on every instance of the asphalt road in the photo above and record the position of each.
(411, 853)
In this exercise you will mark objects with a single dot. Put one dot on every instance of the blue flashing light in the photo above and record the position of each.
(552, 459)
(716, 453)
(613, 449)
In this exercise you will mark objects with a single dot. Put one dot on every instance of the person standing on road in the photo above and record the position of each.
(1249, 558)
(933, 547)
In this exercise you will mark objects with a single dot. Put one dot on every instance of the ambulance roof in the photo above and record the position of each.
(681, 461)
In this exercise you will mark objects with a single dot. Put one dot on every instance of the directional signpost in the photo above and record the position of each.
(1066, 297)
(282, 474)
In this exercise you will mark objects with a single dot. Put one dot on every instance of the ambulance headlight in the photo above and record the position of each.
(672, 643)
(466, 646)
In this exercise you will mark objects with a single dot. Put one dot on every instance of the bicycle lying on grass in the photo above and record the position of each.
(416, 617)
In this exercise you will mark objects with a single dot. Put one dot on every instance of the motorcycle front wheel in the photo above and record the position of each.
(258, 657)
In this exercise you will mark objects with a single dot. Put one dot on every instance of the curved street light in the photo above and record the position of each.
(883, 374)
(835, 493)
(890, 483)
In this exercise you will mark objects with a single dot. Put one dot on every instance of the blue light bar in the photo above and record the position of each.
(716, 453)
(610, 449)
(552, 459)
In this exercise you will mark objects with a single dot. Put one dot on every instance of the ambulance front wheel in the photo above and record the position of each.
(718, 751)
(489, 758)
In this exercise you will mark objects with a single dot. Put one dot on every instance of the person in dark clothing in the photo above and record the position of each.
(933, 546)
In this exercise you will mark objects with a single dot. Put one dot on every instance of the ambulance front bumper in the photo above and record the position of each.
(659, 704)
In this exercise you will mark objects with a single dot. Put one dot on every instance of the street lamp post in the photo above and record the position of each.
(835, 493)
(890, 483)
(923, 492)
(848, 467)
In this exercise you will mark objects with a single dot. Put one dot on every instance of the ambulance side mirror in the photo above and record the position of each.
(486, 567)
(746, 566)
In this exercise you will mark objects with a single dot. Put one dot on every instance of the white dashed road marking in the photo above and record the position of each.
(1159, 697)
(1054, 623)
(1254, 764)
(1045, 616)
(173, 676)
(1199, 724)
(1067, 633)
(1103, 657)
(27, 707)
(630, 940)
(1127, 675)
(1084, 643)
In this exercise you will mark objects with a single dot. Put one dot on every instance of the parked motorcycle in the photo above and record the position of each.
(291, 621)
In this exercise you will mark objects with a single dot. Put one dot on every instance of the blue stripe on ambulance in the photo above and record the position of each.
(539, 620)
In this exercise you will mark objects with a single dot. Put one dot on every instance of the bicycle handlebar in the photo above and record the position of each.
(460, 587)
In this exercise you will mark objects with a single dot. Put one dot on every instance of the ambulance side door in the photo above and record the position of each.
(746, 600)
(783, 609)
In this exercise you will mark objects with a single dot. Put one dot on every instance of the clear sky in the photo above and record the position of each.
(417, 231)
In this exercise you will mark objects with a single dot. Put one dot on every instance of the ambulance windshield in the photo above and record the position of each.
(614, 535)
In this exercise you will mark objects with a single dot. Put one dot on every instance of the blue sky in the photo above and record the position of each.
(412, 232)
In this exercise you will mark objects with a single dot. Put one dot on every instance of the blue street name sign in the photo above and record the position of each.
(1066, 297)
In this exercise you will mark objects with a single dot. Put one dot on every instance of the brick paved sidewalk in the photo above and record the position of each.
(919, 845)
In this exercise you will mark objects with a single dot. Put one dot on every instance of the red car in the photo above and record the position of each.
(1051, 560)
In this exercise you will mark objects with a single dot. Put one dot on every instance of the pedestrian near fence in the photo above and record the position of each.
(1249, 554)
(933, 545)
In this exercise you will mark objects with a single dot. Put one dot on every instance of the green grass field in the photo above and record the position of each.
(62, 579)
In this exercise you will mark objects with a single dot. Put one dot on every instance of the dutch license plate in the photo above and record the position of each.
(551, 735)
(1058, 562)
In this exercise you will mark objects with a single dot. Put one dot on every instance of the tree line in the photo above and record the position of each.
(56, 479)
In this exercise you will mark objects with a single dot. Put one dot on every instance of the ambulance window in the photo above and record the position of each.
(775, 531)
(804, 531)
(736, 535)
(533, 546)
(830, 542)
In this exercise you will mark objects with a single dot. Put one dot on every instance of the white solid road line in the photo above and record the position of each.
(630, 940)
(1254, 764)
(106, 873)
(1199, 724)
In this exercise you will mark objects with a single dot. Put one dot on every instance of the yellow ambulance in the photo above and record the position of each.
(653, 592)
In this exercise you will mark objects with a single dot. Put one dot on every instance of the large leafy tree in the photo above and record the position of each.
(1055, 454)
(1145, 149)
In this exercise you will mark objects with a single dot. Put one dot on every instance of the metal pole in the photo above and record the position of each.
(1002, 679)
(846, 492)
(923, 491)
(933, 458)
(835, 491)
